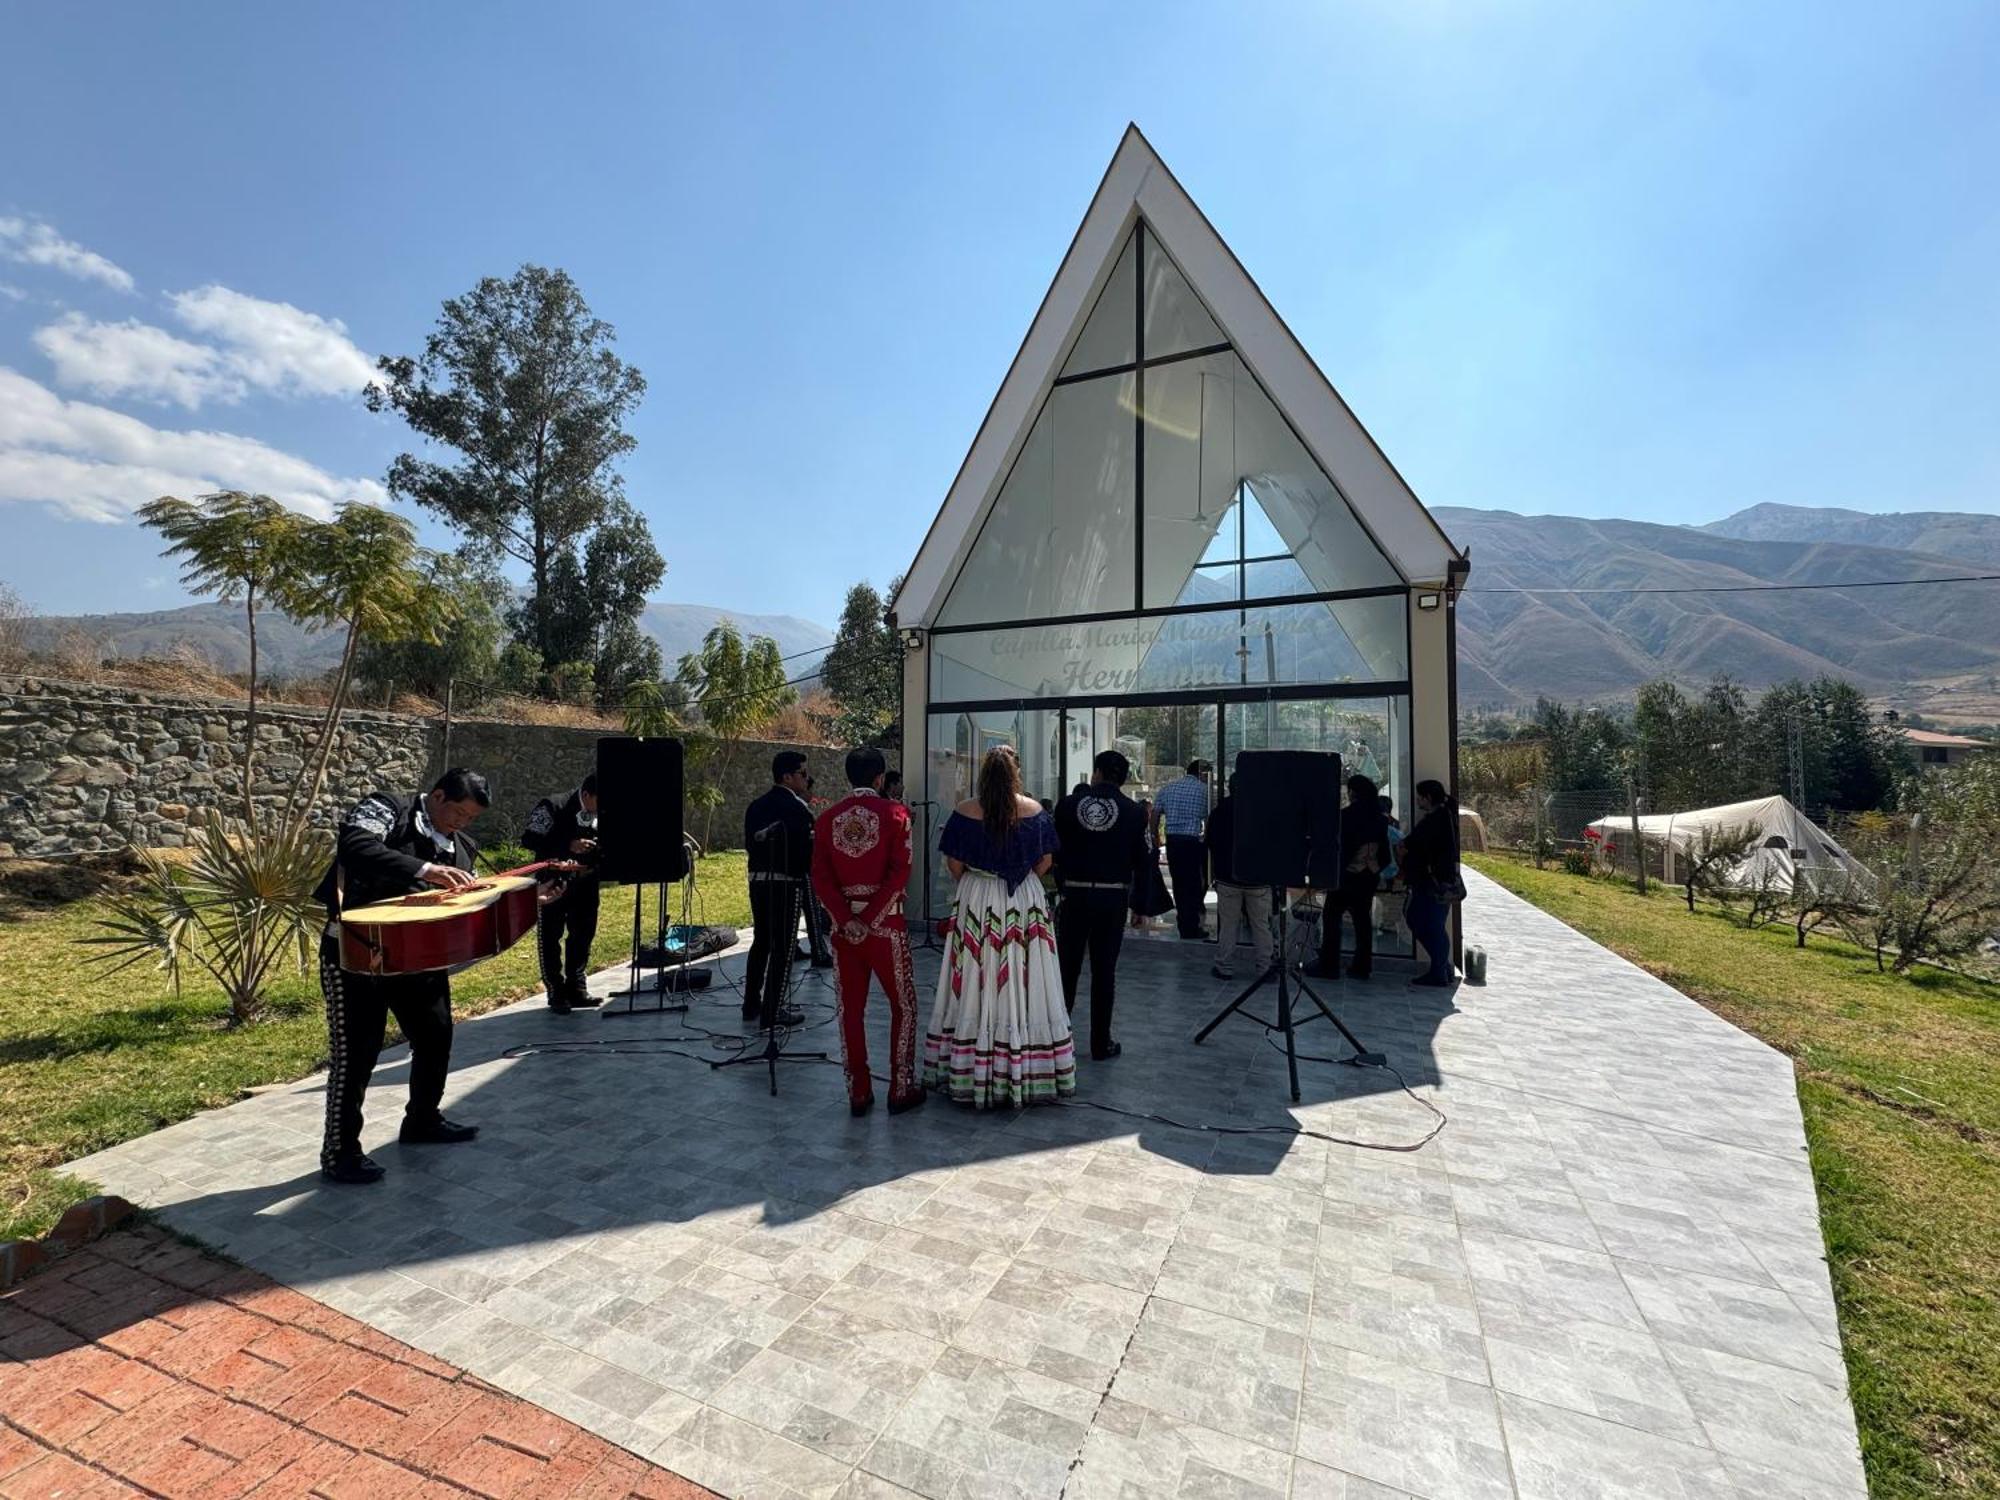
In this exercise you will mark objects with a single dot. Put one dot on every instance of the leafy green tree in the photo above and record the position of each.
(234, 546)
(735, 686)
(863, 670)
(466, 655)
(519, 379)
(519, 670)
(1585, 749)
(1851, 760)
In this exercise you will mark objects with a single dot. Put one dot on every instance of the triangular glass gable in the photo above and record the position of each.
(1175, 319)
(1107, 337)
(1061, 536)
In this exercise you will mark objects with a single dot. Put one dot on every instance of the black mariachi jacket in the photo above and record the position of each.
(553, 826)
(1101, 836)
(787, 853)
(380, 849)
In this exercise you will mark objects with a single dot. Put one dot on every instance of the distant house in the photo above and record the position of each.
(1935, 749)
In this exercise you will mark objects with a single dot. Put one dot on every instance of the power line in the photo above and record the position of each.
(1747, 588)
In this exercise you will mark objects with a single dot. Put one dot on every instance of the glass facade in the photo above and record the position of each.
(1167, 571)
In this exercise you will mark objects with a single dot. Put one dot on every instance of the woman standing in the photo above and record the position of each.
(1430, 868)
(1149, 887)
(999, 1031)
(1364, 851)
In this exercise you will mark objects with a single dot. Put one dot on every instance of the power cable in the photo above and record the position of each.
(1744, 588)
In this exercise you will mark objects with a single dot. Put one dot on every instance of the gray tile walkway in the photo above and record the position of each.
(1604, 1279)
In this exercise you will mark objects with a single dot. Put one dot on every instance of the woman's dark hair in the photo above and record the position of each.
(589, 784)
(459, 785)
(1436, 794)
(999, 792)
(1361, 792)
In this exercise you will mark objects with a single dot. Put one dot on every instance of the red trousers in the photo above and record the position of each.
(886, 957)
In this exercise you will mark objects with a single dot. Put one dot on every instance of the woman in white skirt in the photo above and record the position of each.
(999, 1032)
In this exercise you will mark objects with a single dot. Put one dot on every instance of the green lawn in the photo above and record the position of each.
(88, 1060)
(1899, 1079)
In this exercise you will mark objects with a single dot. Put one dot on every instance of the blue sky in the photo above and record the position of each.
(1650, 261)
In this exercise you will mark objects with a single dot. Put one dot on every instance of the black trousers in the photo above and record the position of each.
(1187, 863)
(573, 915)
(358, 1008)
(774, 919)
(1092, 922)
(819, 928)
(1355, 895)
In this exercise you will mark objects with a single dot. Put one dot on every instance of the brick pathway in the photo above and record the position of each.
(140, 1366)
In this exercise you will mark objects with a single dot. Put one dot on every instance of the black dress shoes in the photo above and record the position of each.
(437, 1132)
(858, 1110)
(904, 1106)
(1107, 1054)
(354, 1170)
(580, 996)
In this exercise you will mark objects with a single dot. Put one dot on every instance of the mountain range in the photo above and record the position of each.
(1931, 648)
(215, 633)
(1934, 649)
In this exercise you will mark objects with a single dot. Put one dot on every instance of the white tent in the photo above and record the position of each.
(1790, 847)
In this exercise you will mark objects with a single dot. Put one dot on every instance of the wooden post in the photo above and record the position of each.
(1638, 842)
(1536, 792)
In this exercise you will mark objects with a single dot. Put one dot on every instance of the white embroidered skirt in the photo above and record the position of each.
(999, 1034)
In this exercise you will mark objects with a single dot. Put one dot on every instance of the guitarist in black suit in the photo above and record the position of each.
(566, 828)
(390, 845)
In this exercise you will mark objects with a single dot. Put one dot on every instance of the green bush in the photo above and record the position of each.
(1577, 861)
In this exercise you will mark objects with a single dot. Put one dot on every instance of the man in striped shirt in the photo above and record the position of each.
(1182, 806)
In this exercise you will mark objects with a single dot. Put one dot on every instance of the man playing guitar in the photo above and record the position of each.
(390, 845)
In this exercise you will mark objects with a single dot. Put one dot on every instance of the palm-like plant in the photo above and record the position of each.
(235, 546)
(364, 571)
(238, 910)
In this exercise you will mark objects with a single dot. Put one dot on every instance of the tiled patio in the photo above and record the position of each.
(1604, 1278)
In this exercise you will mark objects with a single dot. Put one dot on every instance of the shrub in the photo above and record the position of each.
(1578, 862)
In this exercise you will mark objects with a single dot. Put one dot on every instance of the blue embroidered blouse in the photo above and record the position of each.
(966, 840)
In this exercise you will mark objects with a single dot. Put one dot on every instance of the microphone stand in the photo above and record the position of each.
(773, 1051)
(930, 938)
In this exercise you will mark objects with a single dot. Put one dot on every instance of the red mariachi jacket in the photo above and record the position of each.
(861, 861)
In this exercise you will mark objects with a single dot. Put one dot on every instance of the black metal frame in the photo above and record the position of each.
(1280, 971)
(1213, 606)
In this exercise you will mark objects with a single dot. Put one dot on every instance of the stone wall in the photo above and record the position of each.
(86, 769)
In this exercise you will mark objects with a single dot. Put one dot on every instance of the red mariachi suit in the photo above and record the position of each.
(860, 867)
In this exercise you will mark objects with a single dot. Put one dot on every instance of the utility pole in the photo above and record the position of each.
(1795, 757)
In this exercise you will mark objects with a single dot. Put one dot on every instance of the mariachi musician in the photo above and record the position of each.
(566, 829)
(778, 835)
(390, 845)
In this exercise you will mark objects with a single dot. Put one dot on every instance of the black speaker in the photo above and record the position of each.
(1287, 812)
(639, 810)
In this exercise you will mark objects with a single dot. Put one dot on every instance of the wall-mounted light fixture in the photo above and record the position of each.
(1429, 601)
(913, 640)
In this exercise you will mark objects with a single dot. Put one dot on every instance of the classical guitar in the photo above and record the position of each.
(440, 929)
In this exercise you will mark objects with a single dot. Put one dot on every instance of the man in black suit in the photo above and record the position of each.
(389, 845)
(566, 828)
(1102, 839)
(778, 835)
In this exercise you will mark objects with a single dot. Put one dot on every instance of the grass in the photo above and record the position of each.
(88, 1061)
(1899, 1081)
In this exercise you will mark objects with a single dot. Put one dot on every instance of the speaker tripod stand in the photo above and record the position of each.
(1280, 973)
(781, 953)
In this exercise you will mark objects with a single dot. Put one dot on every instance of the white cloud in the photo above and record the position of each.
(95, 464)
(12, 293)
(136, 359)
(34, 243)
(275, 346)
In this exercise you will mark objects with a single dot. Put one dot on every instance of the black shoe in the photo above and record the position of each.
(790, 1017)
(823, 963)
(354, 1170)
(904, 1106)
(1425, 981)
(1107, 1054)
(858, 1110)
(559, 1003)
(580, 996)
(752, 1015)
(1318, 970)
(437, 1132)
(1219, 972)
